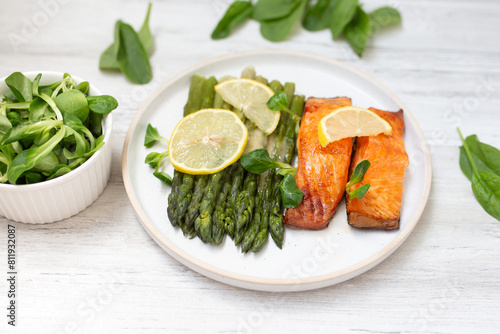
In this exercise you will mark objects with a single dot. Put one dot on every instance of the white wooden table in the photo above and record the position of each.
(99, 271)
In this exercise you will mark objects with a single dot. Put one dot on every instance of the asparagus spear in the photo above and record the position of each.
(201, 182)
(204, 222)
(218, 216)
(173, 198)
(238, 174)
(245, 203)
(182, 184)
(275, 147)
(276, 227)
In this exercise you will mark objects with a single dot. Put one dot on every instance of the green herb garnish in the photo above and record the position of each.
(481, 165)
(258, 161)
(152, 136)
(356, 177)
(154, 159)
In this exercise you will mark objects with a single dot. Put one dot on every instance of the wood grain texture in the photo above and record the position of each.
(99, 272)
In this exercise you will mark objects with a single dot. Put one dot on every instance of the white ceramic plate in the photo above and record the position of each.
(309, 259)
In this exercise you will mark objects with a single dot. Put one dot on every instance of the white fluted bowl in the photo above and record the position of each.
(67, 195)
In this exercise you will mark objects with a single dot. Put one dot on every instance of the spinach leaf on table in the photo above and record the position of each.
(278, 30)
(131, 55)
(139, 45)
(319, 16)
(265, 10)
(144, 33)
(384, 17)
(342, 13)
(358, 31)
(485, 157)
(238, 12)
(485, 183)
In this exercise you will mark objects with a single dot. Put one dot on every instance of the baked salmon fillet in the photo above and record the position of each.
(381, 206)
(322, 171)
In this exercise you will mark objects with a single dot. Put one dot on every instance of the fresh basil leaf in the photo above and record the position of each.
(278, 102)
(20, 86)
(291, 195)
(153, 158)
(384, 17)
(35, 84)
(359, 192)
(258, 161)
(486, 157)
(342, 13)
(319, 16)
(238, 12)
(102, 104)
(358, 31)
(83, 87)
(73, 102)
(278, 30)
(486, 189)
(131, 56)
(265, 10)
(144, 33)
(358, 173)
(5, 125)
(27, 159)
(152, 136)
(164, 177)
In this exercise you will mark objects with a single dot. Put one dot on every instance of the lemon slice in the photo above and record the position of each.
(351, 122)
(251, 98)
(207, 141)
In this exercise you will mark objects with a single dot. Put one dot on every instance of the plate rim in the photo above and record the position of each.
(270, 284)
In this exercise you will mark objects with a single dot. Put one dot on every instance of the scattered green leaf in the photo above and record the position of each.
(485, 183)
(291, 195)
(343, 12)
(152, 136)
(384, 17)
(358, 31)
(237, 13)
(356, 177)
(278, 30)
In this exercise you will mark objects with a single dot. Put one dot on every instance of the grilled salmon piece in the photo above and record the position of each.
(381, 206)
(322, 171)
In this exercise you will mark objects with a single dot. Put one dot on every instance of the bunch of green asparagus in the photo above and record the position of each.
(233, 201)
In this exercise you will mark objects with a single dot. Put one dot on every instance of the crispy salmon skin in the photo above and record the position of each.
(322, 171)
(381, 206)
